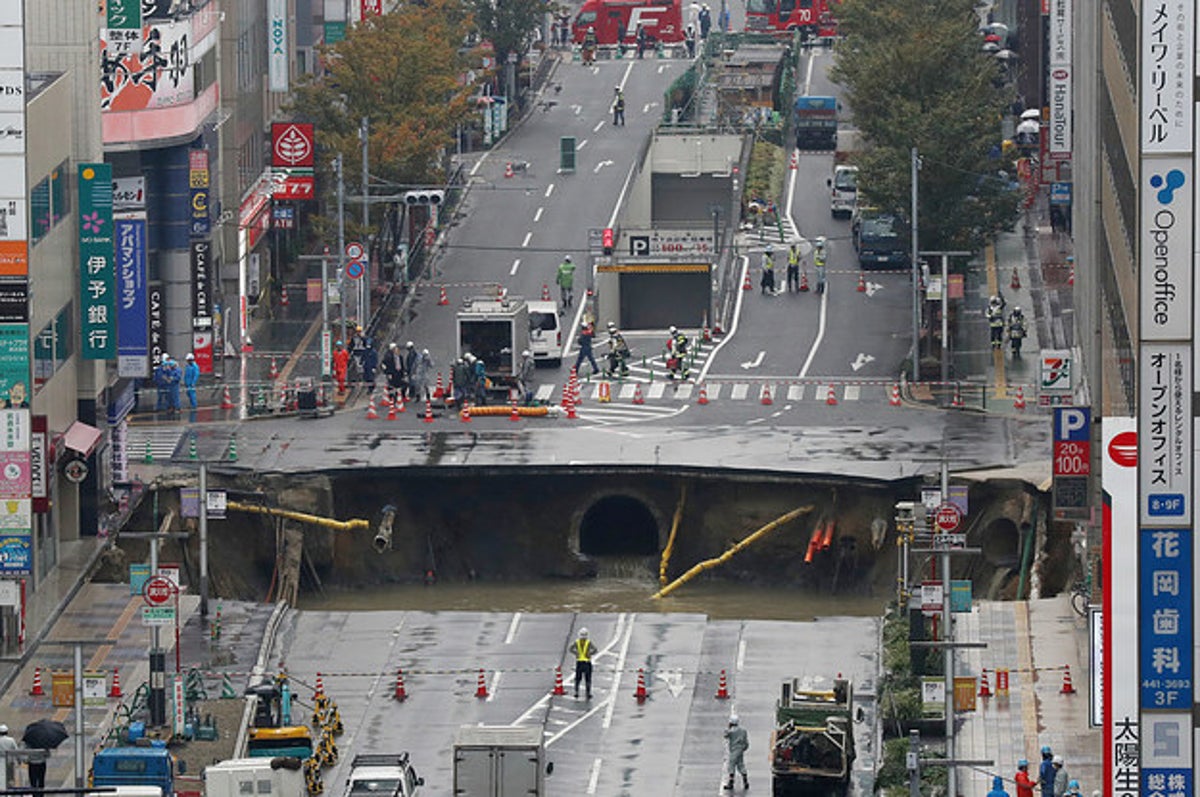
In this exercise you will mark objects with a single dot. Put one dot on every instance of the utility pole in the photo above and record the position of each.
(366, 194)
(341, 241)
(948, 640)
(914, 167)
(945, 306)
(363, 284)
(203, 541)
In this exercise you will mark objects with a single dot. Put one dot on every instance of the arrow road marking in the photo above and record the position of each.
(577, 109)
(600, 166)
(861, 360)
(673, 680)
(872, 287)
(648, 106)
(757, 361)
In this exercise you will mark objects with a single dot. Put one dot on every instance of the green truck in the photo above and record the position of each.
(812, 746)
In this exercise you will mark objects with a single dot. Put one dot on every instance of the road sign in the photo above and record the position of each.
(158, 591)
(214, 504)
(948, 518)
(158, 615)
(949, 542)
(354, 270)
(355, 251)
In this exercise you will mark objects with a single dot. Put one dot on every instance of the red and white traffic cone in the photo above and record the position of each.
(226, 399)
(558, 682)
(637, 394)
(722, 688)
(115, 689)
(984, 689)
(400, 402)
(372, 414)
(508, 169)
(746, 286)
(448, 396)
(439, 391)
(37, 690)
(894, 399)
(765, 397)
(957, 401)
(1015, 284)
(1071, 275)
(428, 411)
(283, 296)
(1019, 401)
(545, 292)
(443, 299)
(831, 397)
(794, 164)
(1067, 687)
(569, 405)
(862, 283)
(573, 383)
(804, 281)
(640, 693)
(481, 686)
(319, 690)
(703, 399)
(391, 416)
(400, 693)
(515, 415)
(274, 372)
(465, 415)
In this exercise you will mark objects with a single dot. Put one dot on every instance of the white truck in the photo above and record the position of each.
(382, 775)
(843, 191)
(499, 762)
(262, 777)
(496, 330)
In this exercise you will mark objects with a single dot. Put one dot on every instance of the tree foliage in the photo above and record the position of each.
(401, 71)
(508, 24)
(915, 76)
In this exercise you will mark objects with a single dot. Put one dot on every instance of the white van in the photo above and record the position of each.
(843, 191)
(545, 332)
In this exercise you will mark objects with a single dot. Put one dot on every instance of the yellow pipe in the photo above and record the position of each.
(734, 549)
(666, 554)
(337, 525)
(524, 412)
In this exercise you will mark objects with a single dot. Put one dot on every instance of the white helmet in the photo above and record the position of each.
(673, 329)
(612, 325)
(733, 719)
(583, 634)
(526, 353)
(567, 258)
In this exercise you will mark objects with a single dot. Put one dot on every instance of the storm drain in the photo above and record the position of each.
(618, 525)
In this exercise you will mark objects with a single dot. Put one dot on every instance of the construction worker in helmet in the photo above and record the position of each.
(589, 45)
(676, 350)
(617, 359)
(1016, 331)
(738, 742)
(618, 107)
(583, 649)
(820, 257)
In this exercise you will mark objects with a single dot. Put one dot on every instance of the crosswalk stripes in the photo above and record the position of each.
(795, 393)
(624, 412)
(660, 390)
(164, 440)
(739, 392)
(545, 393)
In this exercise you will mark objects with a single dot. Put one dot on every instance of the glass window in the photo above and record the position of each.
(60, 193)
(585, 18)
(760, 6)
(786, 6)
(39, 206)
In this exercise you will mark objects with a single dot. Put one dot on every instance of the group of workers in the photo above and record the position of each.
(168, 377)
(1053, 778)
(795, 264)
(998, 324)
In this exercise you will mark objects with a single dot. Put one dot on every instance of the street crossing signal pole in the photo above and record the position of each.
(364, 283)
(341, 242)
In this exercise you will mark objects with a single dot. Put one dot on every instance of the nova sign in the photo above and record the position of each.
(277, 59)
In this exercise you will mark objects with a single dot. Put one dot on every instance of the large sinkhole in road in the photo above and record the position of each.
(618, 525)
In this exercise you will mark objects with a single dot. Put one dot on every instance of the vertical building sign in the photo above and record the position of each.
(1061, 112)
(97, 289)
(1165, 451)
(202, 315)
(277, 46)
(198, 188)
(1119, 667)
(158, 324)
(335, 21)
(133, 335)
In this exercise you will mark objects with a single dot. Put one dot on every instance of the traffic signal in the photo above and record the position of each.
(606, 240)
(424, 197)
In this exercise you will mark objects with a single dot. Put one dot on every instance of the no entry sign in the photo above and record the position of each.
(948, 518)
(158, 590)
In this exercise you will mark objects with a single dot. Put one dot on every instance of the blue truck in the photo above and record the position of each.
(816, 122)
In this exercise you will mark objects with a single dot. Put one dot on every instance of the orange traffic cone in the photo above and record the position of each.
(640, 694)
(984, 689)
(508, 169)
(400, 400)
(400, 693)
(428, 411)
(37, 690)
(894, 399)
(443, 299)
(115, 689)
(1071, 275)
(1015, 284)
(514, 415)
(722, 688)
(569, 404)
(391, 416)
(637, 394)
(1067, 687)
(372, 414)
(804, 281)
(703, 399)
(558, 682)
(274, 372)
(465, 415)
(831, 397)
(283, 296)
(481, 687)
(765, 398)
(746, 286)
(448, 396)
(440, 390)
(862, 283)
(319, 691)
(957, 401)
(1019, 401)
(226, 399)
(545, 292)
(795, 162)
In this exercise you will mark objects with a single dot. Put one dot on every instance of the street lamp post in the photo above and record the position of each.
(341, 241)
(945, 295)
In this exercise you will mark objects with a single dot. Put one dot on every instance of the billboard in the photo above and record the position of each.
(1168, 62)
(150, 70)
(97, 275)
(133, 335)
(1165, 438)
(1166, 248)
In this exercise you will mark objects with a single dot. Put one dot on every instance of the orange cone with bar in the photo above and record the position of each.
(765, 397)
(637, 394)
(400, 693)
(640, 694)
(1067, 687)
(558, 682)
(226, 399)
(443, 299)
(37, 690)
(1019, 401)
(428, 411)
(481, 687)
(319, 690)
(722, 688)
(894, 399)
(984, 689)
(831, 397)
(703, 399)
(115, 689)
(372, 414)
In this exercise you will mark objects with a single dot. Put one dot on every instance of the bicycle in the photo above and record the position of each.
(1081, 594)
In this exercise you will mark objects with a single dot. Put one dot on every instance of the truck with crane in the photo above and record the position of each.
(812, 746)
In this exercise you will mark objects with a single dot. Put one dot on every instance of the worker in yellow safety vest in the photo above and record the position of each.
(583, 650)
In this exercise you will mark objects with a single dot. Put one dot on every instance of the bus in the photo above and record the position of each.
(813, 18)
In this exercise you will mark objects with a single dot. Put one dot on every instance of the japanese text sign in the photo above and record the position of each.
(97, 275)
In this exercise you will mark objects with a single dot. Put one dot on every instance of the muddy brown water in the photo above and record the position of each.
(718, 600)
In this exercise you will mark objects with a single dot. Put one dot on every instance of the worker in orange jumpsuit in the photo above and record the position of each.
(1024, 783)
(341, 363)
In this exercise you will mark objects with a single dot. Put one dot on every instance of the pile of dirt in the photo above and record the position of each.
(195, 755)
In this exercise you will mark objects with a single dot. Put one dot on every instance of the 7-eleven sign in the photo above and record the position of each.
(371, 8)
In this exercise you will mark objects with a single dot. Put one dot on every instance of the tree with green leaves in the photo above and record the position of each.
(402, 71)
(915, 75)
(508, 24)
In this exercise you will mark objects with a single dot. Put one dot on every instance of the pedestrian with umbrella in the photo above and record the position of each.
(41, 737)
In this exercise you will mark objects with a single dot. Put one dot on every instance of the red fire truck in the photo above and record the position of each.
(813, 18)
(617, 21)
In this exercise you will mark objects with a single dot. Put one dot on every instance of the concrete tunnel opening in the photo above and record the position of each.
(618, 525)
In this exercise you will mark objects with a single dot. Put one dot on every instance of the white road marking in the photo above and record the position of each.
(852, 393)
(714, 392)
(673, 680)
(378, 679)
(656, 390)
(594, 778)
(538, 216)
(599, 125)
(619, 667)
(512, 628)
(577, 109)
(861, 360)
(757, 361)
(649, 107)
(741, 657)
(581, 145)
(600, 166)
(737, 312)
(795, 393)
(683, 392)
(495, 685)
(740, 391)
(625, 77)
(872, 287)
(544, 392)
(549, 190)
(808, 73)
(528, 236)
(754, 421)
(611, 700)
(662, 68)
(475, 168)
(516, 265)
(627, 391)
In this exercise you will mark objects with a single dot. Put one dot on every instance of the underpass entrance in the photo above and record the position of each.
(618, 525)
(654, 296)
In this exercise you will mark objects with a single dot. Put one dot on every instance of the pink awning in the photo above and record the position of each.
(81, 437)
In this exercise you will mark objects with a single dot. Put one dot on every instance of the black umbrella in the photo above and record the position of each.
(44, 734)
